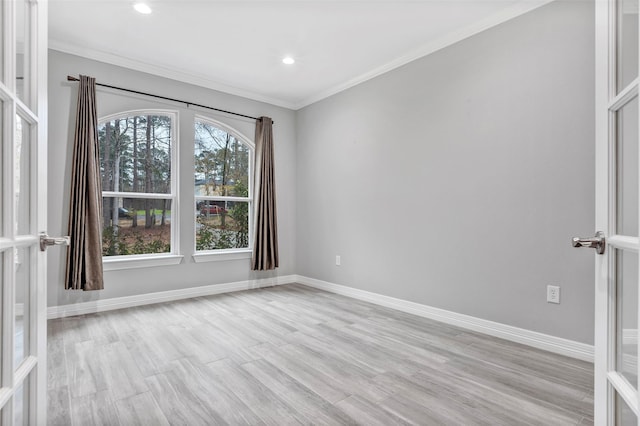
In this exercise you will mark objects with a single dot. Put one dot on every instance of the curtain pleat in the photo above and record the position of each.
(84, 257)
(265, 249)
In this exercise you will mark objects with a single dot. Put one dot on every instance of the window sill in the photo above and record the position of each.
(132, 262)
(222, 255)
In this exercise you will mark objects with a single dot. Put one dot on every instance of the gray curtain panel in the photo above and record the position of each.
(265, 249)
(84, 257)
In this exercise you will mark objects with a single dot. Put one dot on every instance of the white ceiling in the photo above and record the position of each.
(237, 46)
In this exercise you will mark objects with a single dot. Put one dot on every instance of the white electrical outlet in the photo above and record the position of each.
(337, 260)
(553, 294)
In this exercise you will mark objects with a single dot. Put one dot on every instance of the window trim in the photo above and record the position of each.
(233, 253)
(134, 261)
(173, 257)
(222, 255)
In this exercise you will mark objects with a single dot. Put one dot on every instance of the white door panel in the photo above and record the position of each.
(23, 103)
(617, 213)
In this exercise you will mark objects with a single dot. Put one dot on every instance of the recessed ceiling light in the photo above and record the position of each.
(142, 8)
(288, 60)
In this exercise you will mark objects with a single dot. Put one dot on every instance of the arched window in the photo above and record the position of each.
(223, 187)
(137, 164)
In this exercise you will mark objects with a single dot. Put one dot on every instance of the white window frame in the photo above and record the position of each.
(152, 259)
(232, 253)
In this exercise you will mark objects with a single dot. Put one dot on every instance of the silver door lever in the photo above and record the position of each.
(597, 242)
(46, 241)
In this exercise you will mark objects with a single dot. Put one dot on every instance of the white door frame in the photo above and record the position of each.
(32, 370)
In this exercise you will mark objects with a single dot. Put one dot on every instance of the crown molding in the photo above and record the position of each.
(514, 11)
(518, 9)
(161, 71)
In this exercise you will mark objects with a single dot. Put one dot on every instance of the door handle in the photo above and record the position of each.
(597, 242)
(46, 241)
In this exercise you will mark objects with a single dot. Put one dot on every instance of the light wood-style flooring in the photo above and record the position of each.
(293, 355)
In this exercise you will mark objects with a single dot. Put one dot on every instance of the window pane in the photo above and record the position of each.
(628, 42)
(22, 183)
(624, 414)
(627, 313)
(627, 158)
(2, 162)
(2, 36)
(135, 226)
(23, 76)
(23, 278)
(20, 404)
(221, 163)
(135, 154)
(222, 225)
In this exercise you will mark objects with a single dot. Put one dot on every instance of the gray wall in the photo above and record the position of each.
(457, 180)
(62, 101)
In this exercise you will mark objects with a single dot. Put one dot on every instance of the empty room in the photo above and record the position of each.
(319, 212)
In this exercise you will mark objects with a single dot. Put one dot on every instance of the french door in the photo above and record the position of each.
(23, 131)
(616, 399)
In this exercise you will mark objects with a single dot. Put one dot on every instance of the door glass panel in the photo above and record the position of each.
(22, 155)
(624, 414)
(20, 411)
(22, 51)
(627, 315)
(627, 159)
(627, 42)
(2, 105)
(2, 36)
(23, 277)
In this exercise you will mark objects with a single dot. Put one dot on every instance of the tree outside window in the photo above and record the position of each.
(136, 162)
(222, 187)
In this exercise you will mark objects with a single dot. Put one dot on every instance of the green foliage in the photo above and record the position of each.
(114, 244)
(232, 233)
(240, 215)
(111, 244)
(214, 238)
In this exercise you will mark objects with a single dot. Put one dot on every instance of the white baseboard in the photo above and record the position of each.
(546, 342)
(532, 338)
(162, 296)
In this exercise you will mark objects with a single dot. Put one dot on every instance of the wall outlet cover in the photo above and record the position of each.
(553, 294)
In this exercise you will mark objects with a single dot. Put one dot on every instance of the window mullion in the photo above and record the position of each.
(143, 195)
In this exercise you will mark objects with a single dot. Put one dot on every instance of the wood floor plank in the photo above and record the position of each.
(296, 355)
(260, 399)
(57, 375)
(178, 403)
(207, 391)
(94, 409)
(345, 376)
(81, 378)
(58, 409)
(317, 381)
(140, 410)
(364, 412)
(152, 349)
(307, 403)
(119, 370)
(546, 392)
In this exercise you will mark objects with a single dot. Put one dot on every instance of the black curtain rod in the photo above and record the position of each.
(70, 78)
